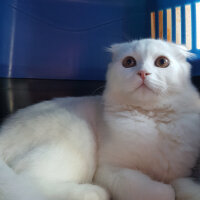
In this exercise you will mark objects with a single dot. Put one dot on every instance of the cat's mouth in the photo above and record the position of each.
(144, 86)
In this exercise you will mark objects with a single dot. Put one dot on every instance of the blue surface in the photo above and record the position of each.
(65, 39)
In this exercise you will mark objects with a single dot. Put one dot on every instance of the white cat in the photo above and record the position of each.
(133, 143)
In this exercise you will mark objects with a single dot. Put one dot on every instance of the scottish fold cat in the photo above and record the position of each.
(135, 142)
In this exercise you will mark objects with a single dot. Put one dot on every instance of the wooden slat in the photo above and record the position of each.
(153, 25)
(178, 25)
(188, 27)
(169, 25)
(160, 21)
(198, 24)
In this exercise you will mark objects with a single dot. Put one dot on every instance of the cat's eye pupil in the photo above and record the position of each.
(129, 62)
(162, 62)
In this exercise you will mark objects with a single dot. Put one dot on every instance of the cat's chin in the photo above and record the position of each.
(144, 92)
(143, 97)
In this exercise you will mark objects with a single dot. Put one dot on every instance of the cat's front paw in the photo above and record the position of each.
(94, 192)
(164, 192)
(186, 189)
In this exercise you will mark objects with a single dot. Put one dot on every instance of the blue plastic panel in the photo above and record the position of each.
(65, 39)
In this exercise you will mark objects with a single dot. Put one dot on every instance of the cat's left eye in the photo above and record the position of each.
(162, 62)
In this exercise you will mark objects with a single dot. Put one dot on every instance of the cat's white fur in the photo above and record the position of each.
(133, 143)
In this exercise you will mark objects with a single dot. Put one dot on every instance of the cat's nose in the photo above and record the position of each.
(143, 74)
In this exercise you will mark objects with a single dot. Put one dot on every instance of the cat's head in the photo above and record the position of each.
(146, 71)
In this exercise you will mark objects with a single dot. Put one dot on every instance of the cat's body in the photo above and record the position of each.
(59, 147)
(135, 141)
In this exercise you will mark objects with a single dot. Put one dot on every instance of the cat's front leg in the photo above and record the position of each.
(126, 184)
(186, 189)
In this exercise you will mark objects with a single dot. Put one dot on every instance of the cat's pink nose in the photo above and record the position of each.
(143, 74)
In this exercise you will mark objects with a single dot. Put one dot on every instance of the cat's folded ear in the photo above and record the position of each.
(184, 51)
(119, 48)
(114, 48)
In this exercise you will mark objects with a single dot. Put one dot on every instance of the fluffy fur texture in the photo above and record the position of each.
(136, 142)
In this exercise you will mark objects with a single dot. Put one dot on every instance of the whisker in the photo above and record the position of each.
(157, 85)
(96, 90)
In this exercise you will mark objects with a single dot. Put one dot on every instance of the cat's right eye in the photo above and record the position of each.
(129, 62)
